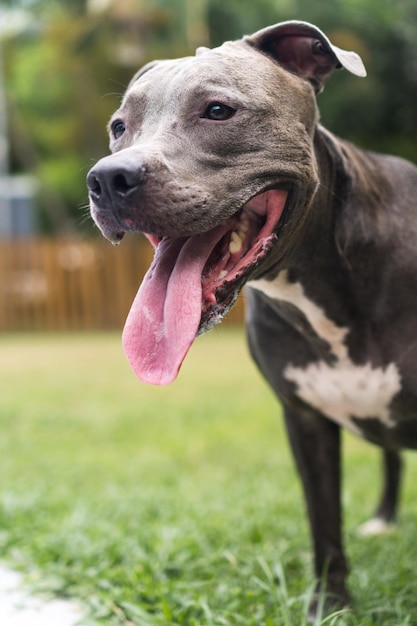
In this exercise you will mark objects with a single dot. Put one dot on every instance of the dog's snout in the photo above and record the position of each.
(116, 191)
(110, 181)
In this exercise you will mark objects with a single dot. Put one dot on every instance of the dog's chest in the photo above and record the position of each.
(337, 387)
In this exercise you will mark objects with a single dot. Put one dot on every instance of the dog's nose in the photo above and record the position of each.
(108, 180)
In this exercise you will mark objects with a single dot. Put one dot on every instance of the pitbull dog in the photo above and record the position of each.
(221, 161)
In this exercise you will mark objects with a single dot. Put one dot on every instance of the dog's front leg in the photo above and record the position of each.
(386, 512)
(316, 446)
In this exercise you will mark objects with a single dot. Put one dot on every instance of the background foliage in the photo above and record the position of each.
(67, 64)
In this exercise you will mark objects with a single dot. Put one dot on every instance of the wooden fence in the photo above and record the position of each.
(73, 284)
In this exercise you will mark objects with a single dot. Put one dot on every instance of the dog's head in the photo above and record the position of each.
(213, 160)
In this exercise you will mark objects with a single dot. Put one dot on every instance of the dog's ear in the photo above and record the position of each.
(304, 49)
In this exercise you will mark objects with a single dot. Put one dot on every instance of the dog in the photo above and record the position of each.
(220, 159)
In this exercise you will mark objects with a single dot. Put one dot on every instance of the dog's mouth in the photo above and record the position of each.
(191, 284)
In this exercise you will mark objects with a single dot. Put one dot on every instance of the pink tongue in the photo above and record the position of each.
(165, 315)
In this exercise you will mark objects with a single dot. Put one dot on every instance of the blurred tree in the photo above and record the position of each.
(65, 76)
(68, 66)
(379, 112)
(232, 19)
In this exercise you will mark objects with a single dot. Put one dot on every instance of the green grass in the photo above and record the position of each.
(179, 505)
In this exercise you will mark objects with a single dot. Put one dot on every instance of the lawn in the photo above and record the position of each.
(178, 505)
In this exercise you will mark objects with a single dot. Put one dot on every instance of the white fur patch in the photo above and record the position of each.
(346, 390)
(341, 390)
(281, 289)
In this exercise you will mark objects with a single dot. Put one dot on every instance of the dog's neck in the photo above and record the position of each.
(318, 257)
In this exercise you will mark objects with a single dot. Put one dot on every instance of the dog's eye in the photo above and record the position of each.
(319, 48)
(219, 112)
(117, 129)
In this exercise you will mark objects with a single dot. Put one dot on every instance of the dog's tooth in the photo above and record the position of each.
(235, 244)
(223, 274)
(243, 226)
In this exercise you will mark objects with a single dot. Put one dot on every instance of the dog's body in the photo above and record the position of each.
(220, 159)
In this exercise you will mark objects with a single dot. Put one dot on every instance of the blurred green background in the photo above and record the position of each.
(67, 62)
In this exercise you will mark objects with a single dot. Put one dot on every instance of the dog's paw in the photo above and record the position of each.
(327, 605)
(376, 526)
